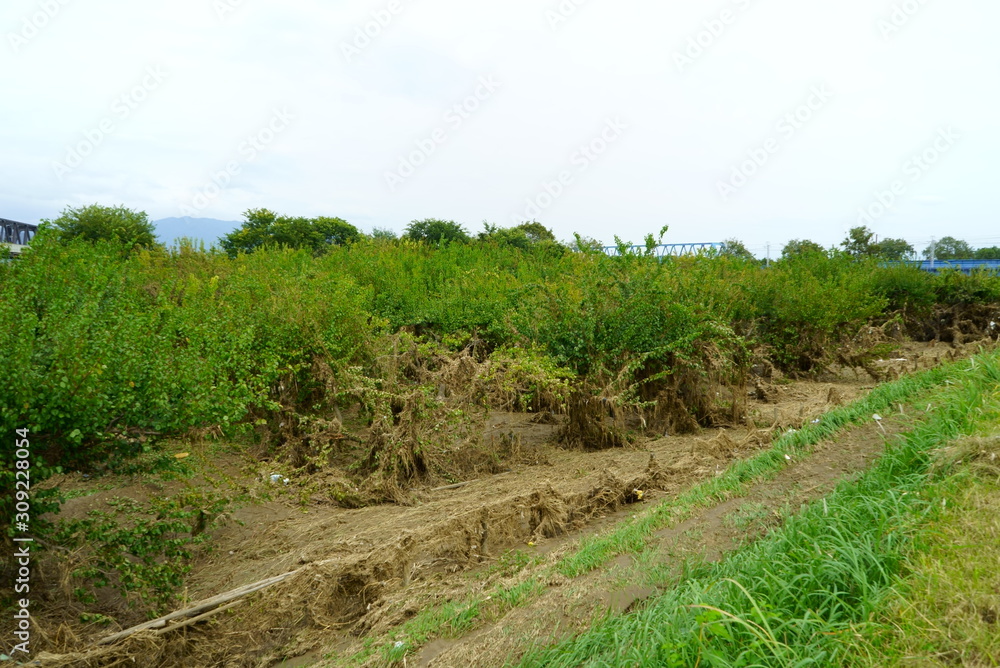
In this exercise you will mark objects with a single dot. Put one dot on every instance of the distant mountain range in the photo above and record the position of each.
(208, 230)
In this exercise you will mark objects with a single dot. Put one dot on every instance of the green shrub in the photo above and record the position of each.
(952, 287)
(101, 347)
(142, 549)
(905, 288)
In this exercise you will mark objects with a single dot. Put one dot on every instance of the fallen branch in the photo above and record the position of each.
(198, 609)
(201, 617)
(455, 486)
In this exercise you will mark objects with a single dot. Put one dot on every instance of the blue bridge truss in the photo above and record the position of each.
(669, 250)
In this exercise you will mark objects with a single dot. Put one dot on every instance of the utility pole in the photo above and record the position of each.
(933, 249)
(768, 253)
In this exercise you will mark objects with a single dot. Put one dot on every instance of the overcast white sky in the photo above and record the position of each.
(162, 97)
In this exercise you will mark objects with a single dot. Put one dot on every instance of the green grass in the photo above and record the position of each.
(511, 563)
(947, 610)
(451, 620)
(801, 596)
(746, 516)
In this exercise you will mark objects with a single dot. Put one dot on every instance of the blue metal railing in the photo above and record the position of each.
(965, 266)
(668, 250)
(674, 250)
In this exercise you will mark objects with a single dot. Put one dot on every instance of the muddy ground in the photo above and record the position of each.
(568, 607)
(362, 572)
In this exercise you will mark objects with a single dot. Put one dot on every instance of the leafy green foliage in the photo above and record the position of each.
(893, 249)
(526, 379)
(141, 549)
(536, 232)
(436, 231)
(736, 248)
(950, 248)
(264, 228)
(797, 247)
(906, 288)
(520, 236)
(987, 253)
(978, 287)
(104, 223)
(583, 244)
(298, 316)
(860, 243)
(831, 295)
(101, 346)
(384, 234)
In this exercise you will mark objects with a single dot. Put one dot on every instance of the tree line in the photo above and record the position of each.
(263, 228)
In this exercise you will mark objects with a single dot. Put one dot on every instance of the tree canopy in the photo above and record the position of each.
(434, 230)
(584, 244)
(800, 247)
(736, 248)
(104, 223)
(264, 228)
(383, 233)
(950, 248)
(519, 236)
(860, 243)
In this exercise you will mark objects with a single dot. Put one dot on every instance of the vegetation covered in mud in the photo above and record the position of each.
(377, 361)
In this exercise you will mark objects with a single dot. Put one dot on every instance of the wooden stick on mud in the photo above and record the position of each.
(201, 607)
(455, 486)
(195, 620)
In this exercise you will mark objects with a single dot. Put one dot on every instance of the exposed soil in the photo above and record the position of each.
(569, 609)
(362, 571)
